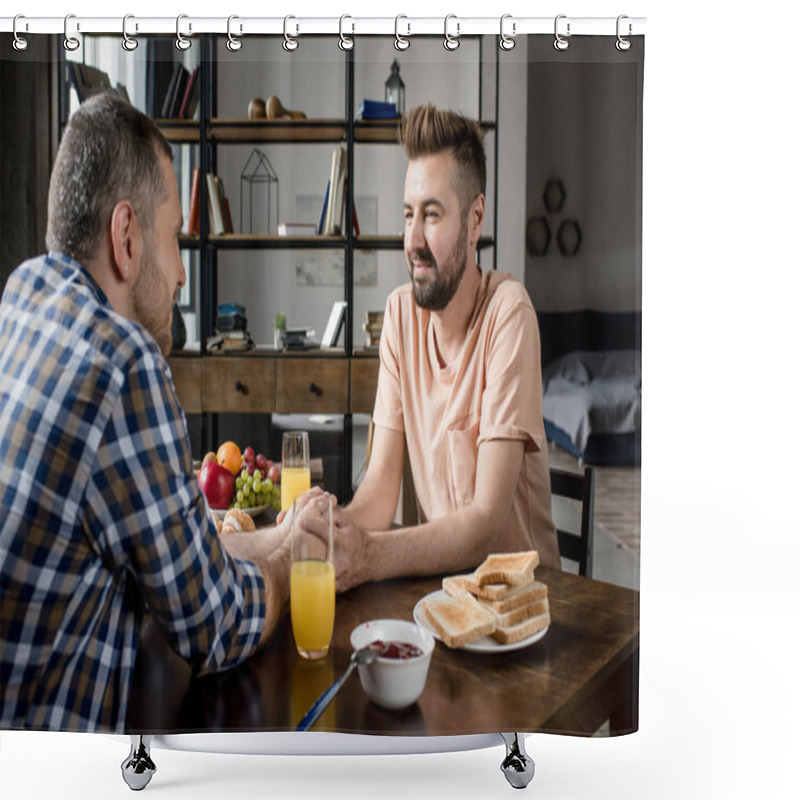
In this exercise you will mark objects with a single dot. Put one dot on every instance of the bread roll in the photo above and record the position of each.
(237, 521)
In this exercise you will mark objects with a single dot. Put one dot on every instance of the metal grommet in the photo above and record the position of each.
(346, 42)
(20, 42)
(400, 42)
(623, 43)
(128, 42)
(561, 42)
(289, 44)
(71, 43)
(451, 42)
(507, 42)
(181, 42)
(233, 44)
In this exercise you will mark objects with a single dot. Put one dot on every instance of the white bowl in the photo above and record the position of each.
(390, 682)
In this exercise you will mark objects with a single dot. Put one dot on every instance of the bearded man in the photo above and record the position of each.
(101, 517)
(459, 385)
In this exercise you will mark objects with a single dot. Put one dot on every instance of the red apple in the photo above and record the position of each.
(217, 485)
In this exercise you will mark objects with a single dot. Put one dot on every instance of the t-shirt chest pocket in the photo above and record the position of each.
(462, 439)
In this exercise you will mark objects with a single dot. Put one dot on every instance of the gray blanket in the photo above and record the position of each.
(594, 392)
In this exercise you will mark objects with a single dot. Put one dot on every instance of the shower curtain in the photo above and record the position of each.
(292, 186)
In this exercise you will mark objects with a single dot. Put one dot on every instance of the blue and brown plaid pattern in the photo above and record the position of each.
(98, 503)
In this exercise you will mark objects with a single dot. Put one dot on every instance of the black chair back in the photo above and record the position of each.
(574, 486)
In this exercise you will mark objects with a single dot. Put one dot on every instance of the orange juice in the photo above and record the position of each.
(312, 595)
(294, 481)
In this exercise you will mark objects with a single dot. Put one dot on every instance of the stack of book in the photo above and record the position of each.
(373, 327)
(232, 331)
(183, 94)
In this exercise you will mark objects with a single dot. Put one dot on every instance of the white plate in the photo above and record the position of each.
(485, 644)
(253, 512)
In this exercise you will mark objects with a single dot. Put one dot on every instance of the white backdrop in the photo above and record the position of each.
(719, 696)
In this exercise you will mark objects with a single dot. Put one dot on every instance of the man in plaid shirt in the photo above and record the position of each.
(100, 512)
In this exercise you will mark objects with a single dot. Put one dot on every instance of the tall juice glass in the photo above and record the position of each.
(312, 587)
(295, 467)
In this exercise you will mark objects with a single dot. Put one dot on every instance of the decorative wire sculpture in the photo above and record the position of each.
(259, 169)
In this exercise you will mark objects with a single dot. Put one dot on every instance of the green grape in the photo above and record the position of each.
(247, 489)
(244, 474)
(237, 505)
(239, 482)
(257, 487)
(239, 496)
(257, 476)
(268, 484)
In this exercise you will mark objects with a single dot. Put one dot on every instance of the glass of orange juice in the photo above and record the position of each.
(295, 467)
(312, 586)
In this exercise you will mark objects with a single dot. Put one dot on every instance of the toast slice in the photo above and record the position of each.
(518, 597)
(459, 620)
(522, 613)
(512, 568)
(456, 584)
(522, 630)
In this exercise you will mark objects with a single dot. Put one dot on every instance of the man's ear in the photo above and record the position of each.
(124, 245)
(477, 213)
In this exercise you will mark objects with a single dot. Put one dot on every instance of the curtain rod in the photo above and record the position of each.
(297, 26)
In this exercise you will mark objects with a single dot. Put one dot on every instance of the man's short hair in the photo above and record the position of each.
(427, 131)
(109, 152)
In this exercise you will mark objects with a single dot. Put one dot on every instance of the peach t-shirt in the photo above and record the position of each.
(492, 390)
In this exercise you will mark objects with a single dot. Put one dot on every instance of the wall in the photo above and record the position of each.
(312, 79)
(584, 128)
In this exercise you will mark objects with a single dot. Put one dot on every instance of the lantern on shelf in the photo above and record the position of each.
(396, 89)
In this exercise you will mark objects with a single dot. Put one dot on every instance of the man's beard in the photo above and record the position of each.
(436, 294)
(147, 295)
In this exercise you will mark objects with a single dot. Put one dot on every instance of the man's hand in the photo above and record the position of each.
(349, 552)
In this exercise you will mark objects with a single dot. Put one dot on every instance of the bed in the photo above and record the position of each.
(592, 384)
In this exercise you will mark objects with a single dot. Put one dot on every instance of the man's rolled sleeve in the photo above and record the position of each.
(151, 515)
(512, 399)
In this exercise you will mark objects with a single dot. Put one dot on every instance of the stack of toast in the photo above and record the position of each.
(501, 599)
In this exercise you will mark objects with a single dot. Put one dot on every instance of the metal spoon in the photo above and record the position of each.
(363, 656)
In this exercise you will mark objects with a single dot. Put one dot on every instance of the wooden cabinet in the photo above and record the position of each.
(311, 385)
(235, 384)
(187, 376)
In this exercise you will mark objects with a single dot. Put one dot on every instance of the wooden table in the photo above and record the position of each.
(584, 671)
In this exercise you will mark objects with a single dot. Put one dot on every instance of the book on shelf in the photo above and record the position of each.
(194, 204)
(356, 228)
(180, 90)
(220, 220)
(88, 81)
(335, 324)
(321, 226)
(191, 96)
(216, 220)
(296, 229)
(169, 99)
(336, 193)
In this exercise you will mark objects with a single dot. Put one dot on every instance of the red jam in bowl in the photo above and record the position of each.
(400, 651)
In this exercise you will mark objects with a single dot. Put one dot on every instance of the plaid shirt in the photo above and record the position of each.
(98, 503)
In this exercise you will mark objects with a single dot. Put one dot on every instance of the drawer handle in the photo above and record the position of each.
(240, 387)
(314, 389)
